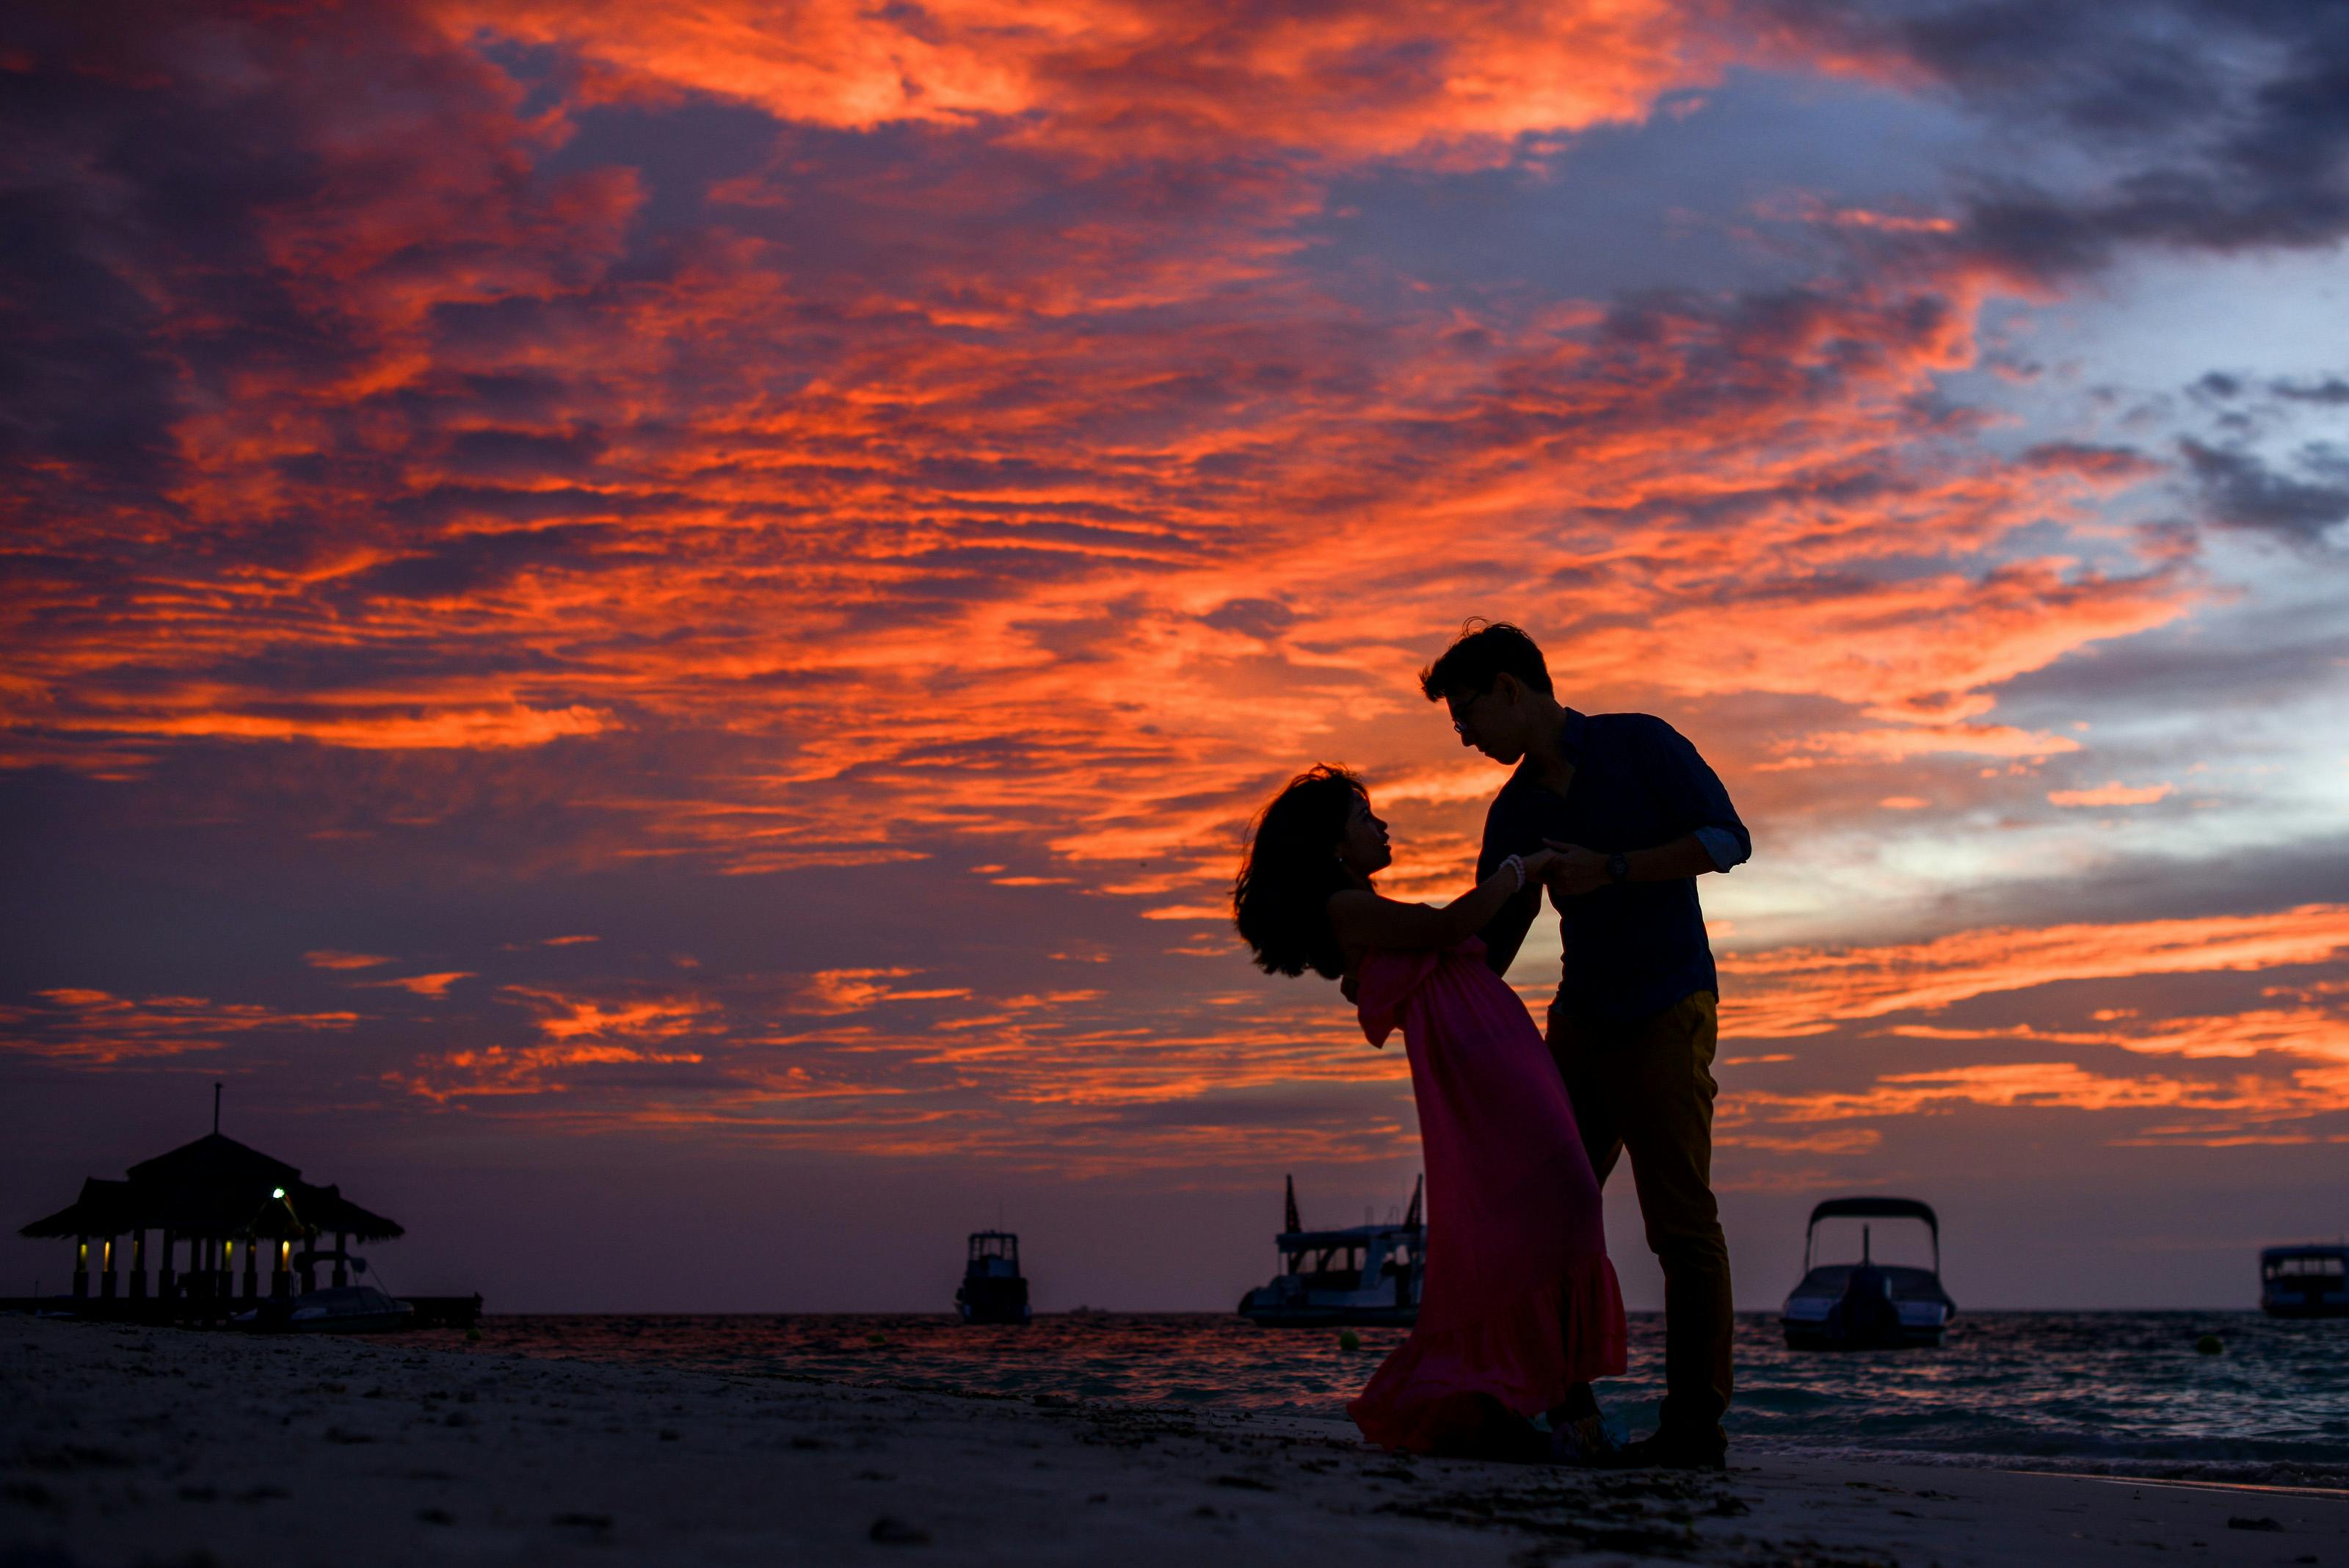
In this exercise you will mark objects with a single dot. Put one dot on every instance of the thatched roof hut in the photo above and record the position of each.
(214, 1187)
(215, 1194)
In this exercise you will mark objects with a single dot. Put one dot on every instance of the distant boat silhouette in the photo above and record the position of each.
(1868, 1306)
(992, 1290)
(2305, 1281)
(1367, 1274)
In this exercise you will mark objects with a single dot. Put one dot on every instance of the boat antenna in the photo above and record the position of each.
(216, 1097)
(1411, 1215)
(1289, 1214)
(1863, 1244)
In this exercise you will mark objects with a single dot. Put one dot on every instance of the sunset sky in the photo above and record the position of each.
(652, 628)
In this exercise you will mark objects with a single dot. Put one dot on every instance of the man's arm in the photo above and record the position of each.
(1693, 793)
(1687, 790)
(1577, 871)
(1504, 933)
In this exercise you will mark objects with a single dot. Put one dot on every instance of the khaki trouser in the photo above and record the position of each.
(1647, 1087)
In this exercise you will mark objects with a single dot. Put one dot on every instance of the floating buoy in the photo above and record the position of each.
(2209, 1344)
(877, 1339)
(1350, 1340)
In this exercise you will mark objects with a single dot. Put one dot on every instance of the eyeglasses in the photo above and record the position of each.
(1460, 715)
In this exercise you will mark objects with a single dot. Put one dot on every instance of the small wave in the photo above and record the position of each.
(2103, 1393)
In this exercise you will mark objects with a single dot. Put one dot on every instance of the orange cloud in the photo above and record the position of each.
(564, 1018)
(434, 986)
(2113, 793)
(1147, 79)
(2304, 1032)
(856, 990)
(1794, 992)
(2249, 1108)
(87, 1028)
(1019, 480)
(495, 1072)
(448, 728)
(850, 593)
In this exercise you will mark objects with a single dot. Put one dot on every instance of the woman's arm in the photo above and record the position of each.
(1360, 919)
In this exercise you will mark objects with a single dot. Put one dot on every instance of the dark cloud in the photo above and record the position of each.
(475, 563)
(524, 454)
(2167, 672)
(444, 503)
(179, 237)
(2331, 391)
(81, 380)
(1264, 618)
(2239, 490)
(2225, 126)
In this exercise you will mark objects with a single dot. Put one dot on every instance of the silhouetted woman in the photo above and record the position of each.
(1518, 1308)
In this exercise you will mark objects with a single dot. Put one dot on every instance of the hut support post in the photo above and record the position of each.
(81, 1268)
(166, 1283)
(342, 1259)
(139, 1264)
(252, 1267)
(281, 1278)
(105, 1279)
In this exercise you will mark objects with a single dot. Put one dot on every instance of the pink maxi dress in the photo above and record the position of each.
(1519, 1301)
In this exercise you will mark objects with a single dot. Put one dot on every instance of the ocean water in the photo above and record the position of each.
(2122, 1393)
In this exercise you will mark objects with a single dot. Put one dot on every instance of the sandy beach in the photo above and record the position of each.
(127, 1445)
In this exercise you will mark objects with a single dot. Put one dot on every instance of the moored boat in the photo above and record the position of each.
(1364, 1275)
(338, 1309)
(992, 1289)
(1868, 1306)
(2305, 1281)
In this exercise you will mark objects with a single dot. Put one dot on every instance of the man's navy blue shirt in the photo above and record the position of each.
(1634, 949)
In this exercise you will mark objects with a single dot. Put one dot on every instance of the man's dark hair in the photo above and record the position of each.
(1484, 652)
(1280, 900)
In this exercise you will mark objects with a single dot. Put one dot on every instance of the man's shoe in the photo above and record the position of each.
(1585, 1444)
(1669, 1451)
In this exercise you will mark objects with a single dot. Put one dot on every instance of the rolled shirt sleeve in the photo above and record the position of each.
(1695, 795)
(1728, 850)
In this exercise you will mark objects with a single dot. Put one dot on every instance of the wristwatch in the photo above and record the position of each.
(1618, 868)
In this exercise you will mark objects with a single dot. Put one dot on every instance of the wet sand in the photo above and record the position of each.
(137, 1445)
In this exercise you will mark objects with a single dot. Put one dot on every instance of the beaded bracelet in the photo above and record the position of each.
(1516, 863)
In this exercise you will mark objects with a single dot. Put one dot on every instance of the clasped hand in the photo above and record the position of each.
(1569, 870)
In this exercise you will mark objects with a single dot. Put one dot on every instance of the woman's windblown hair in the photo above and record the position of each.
(1291, 868)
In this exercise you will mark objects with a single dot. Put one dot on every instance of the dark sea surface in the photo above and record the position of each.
(2115, 1392)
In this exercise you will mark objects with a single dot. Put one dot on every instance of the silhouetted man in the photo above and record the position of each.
(1637, 817)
